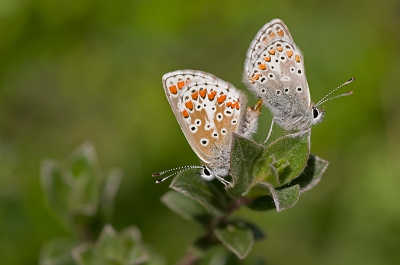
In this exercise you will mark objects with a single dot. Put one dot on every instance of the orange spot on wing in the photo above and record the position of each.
(281, 33)
(289, 53)
(297, 58)
(203, 93)
(221, 99)
(272, 35)
(267, 59)
(195, 95)
(185, 114)
(229, 104)
(272, 51)
(211, 95)
(265, 40)
(236, 105)
(189, 104)
(279, 48)
(181, 84)
(173, 89)
(262, 66)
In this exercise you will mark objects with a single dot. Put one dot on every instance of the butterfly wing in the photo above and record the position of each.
(274, 71)
(208, 111)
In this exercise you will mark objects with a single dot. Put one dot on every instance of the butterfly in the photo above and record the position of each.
(274, 71)
(209, 111)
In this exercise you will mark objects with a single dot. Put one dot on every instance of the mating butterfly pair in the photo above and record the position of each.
(209, 110)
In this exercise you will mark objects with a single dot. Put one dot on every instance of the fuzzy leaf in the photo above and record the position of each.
(219, 255)
(237, 237)
(312, 173)
(262, 203)
(109, 190)
(57, 252)
(283, 160)
(281, 199)
(286, 198)
(210, 194)
(243, 156)
(83, 170)
(186, 207)
(113, 248)
(258, 233)
(58, 189)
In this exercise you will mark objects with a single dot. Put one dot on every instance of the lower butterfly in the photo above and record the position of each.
(209, 110)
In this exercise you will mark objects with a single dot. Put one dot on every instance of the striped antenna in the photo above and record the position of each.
(177, 170)
(325, 98)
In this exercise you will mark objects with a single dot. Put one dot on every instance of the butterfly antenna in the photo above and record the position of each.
(177, 170)
(325, 98)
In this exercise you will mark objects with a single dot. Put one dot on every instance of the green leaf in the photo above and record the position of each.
(83, 170)
(281, 199)
(58, 189)
(86, 255)
(258, 233)
(210, 194)
(57, 252)
(109, 191)
(237, 237)
(113, 248)
(186, 207)
(243, 156)
(284, 159)
(312, 173)
(286, 198)
(219, 255)
(263, 203)
(78, 193)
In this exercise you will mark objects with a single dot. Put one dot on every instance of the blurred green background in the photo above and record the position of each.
(78, 70)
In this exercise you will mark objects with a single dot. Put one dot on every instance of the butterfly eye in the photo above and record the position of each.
(315, 113)
(206, 171)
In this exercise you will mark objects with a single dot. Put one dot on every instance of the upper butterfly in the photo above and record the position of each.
(209, 110)
(274, 71)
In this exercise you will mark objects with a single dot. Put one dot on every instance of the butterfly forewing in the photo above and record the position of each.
(274, 71)
(207, 108)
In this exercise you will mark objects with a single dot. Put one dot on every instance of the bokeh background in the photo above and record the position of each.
(75, 70)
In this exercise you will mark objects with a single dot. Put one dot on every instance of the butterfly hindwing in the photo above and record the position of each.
(207, 108)
(274, 71)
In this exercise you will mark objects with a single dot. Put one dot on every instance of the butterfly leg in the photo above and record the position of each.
(270, 129)
(224, 181)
